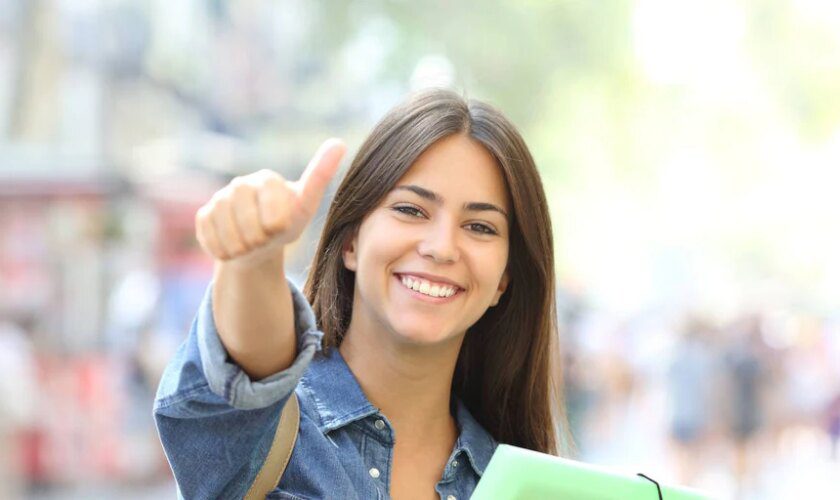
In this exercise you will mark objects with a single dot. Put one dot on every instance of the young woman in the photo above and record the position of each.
(426, 333)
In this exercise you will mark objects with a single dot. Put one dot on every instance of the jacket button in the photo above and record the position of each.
(379, 424)
(374, 473)
(451, 497)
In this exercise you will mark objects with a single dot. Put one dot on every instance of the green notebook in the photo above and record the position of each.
(520, 474)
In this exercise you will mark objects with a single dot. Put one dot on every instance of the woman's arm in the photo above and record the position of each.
(245, 226)
(220, 397)
(215, 423)
(252, 308)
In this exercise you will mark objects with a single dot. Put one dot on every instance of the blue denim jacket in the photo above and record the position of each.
(216, 424)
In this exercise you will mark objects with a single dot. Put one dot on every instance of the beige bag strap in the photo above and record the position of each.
(280, 452)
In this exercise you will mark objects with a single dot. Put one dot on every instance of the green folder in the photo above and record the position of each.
(518, 474)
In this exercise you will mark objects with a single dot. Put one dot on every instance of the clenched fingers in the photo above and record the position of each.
(205, 232)
(246, 213)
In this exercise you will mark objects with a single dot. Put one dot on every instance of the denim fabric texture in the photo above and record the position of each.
(216, 424)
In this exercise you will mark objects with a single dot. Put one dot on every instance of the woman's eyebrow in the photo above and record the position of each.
(473, 206)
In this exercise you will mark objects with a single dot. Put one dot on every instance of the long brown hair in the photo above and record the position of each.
(508, 371)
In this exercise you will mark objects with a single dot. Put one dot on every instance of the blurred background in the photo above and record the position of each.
(690, 151)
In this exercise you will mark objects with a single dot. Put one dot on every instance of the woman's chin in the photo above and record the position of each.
(423, 336)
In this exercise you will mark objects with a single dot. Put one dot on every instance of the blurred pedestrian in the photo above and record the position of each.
(691, 377)
(832, 420)
(746, 371)
(17, 403)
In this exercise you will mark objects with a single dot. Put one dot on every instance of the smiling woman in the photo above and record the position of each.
(435, 239)
(426, 333)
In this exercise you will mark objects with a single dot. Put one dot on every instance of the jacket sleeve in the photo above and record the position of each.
(216, 425)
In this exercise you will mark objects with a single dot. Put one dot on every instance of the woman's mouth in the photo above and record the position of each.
(429, 291)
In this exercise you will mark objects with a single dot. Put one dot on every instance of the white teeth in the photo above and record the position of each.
(427, 288)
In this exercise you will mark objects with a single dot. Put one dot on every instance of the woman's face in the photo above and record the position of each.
(431, 257)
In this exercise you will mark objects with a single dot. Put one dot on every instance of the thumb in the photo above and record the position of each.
(318, 173)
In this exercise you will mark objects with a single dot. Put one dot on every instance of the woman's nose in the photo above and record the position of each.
(440, 242)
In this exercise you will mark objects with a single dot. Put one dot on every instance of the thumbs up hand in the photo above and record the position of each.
(252, 218)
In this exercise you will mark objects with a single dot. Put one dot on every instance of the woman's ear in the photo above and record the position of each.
(503, 284)
(348, 253)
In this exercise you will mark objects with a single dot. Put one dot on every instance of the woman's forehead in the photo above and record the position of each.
(460, 169)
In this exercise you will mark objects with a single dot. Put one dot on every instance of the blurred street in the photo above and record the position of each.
(689, 151)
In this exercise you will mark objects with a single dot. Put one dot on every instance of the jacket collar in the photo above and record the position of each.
(473, 440)
(338, 398)
(339, 401)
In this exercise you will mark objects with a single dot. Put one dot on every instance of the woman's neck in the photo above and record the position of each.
(410, 384)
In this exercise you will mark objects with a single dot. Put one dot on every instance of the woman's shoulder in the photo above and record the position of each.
(329, 393)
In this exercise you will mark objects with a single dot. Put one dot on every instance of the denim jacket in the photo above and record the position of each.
(216, 424)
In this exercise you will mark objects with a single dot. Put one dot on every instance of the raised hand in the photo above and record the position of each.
(252, 218)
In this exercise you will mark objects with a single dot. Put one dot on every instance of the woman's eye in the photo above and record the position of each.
(416, 212)
(409, 211)
(482, 228)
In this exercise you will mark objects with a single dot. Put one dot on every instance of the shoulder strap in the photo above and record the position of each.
(280, 452)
